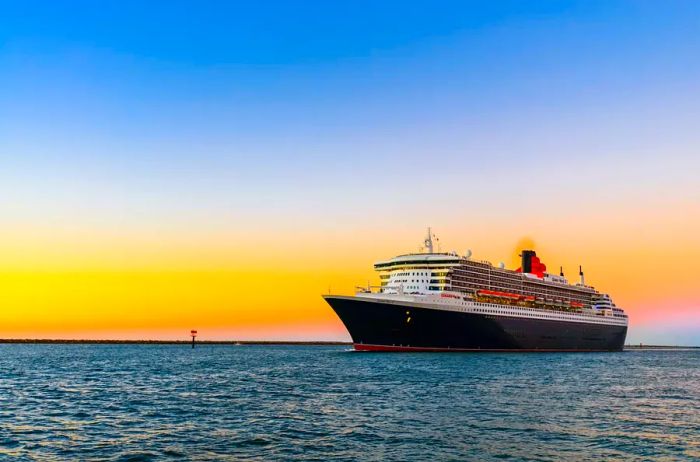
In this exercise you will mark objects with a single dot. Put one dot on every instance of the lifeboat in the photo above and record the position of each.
(494, 293)
(448, 295)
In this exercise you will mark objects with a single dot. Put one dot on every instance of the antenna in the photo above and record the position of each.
(561, 271)
(580, 273)
(437, 239)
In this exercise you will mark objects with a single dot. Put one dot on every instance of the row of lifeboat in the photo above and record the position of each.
(494, 296)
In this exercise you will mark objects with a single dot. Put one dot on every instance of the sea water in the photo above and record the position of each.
(228, 402)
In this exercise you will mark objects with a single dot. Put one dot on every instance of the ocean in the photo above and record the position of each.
(228, 402)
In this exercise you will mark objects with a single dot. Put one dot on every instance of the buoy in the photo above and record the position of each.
(193, 333)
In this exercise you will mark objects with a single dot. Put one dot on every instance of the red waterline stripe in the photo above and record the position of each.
(394, 348)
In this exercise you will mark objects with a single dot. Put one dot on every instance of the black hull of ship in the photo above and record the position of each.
(381, 326)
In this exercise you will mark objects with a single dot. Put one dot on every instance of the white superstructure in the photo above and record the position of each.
(448, 281)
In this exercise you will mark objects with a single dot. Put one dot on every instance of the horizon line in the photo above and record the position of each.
(639, 346)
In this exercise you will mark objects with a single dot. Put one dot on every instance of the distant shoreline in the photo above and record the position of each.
(660, 347)
(173, 342)
(258, 342)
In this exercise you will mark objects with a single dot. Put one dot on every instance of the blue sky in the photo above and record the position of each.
(231, 71)
(236, 93)
(170, 79)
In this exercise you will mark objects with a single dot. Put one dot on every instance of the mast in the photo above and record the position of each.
(429, 241)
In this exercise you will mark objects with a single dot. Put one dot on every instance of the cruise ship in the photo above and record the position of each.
(434, 301)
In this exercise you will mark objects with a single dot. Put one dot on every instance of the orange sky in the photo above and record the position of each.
(268, 285)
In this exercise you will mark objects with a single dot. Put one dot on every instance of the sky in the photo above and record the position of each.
(174, 165)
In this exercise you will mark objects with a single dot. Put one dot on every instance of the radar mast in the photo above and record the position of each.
(429, 241)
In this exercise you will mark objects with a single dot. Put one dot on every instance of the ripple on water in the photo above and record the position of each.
(136, 457)
(8, 443)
